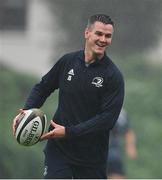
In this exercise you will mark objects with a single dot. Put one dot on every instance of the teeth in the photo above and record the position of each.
(100, 45)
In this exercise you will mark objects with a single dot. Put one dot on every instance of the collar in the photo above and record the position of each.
(81, 56)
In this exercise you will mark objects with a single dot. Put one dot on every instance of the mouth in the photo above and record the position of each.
(101, 45)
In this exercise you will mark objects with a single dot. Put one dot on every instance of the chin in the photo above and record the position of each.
(99, 53)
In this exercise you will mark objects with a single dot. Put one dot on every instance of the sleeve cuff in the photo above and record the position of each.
(70, 132)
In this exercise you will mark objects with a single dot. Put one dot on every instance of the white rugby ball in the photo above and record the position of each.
(31, 126)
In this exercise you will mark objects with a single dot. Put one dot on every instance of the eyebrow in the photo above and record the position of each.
(108, 34)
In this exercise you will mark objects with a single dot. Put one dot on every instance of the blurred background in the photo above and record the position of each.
(35, 33)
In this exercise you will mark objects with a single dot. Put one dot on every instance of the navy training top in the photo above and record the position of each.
(90, 100)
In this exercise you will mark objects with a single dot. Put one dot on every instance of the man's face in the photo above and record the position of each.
(98, 37)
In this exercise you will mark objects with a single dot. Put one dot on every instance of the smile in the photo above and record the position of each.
(102, 45)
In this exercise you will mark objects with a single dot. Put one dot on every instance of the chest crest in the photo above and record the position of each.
(97, 82)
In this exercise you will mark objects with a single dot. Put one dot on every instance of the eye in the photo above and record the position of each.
(98, 33)
(108, 35)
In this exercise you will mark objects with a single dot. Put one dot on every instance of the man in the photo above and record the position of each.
(121, 131)
(91, 93)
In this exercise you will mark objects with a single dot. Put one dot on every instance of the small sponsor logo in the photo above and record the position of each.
(70, 74)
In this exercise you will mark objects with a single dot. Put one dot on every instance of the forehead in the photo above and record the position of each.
(99, 26)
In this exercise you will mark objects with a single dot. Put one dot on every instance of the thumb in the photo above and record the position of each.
(54, 124)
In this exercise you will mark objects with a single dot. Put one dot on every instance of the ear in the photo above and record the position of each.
(86, 33)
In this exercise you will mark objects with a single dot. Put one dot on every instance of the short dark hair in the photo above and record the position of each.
(105, 19)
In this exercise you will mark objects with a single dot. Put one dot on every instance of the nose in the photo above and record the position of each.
(103, 39)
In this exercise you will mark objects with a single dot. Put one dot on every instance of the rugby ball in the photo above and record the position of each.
(32, 124)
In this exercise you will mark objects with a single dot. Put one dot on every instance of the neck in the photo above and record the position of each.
(90, 57)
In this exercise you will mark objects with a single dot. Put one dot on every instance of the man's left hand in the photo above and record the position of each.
(57, 132)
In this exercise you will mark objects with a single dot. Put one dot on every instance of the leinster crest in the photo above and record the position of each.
(97, 81)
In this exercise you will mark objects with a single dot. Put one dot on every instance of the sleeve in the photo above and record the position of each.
(45, 87)
(111, 105)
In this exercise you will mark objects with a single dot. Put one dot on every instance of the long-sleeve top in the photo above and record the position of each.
(90, 100)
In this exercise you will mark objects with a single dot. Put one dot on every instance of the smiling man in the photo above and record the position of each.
(91, 93)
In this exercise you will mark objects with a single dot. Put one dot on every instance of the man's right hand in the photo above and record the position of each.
(16, 121)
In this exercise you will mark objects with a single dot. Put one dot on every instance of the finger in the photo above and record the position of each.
(47, 136)
(53, 123)
(15, 121)
(14, 125)
(14, 128)
(20, 110)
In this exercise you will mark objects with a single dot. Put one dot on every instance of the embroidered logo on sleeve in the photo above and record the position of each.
(97, 81)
